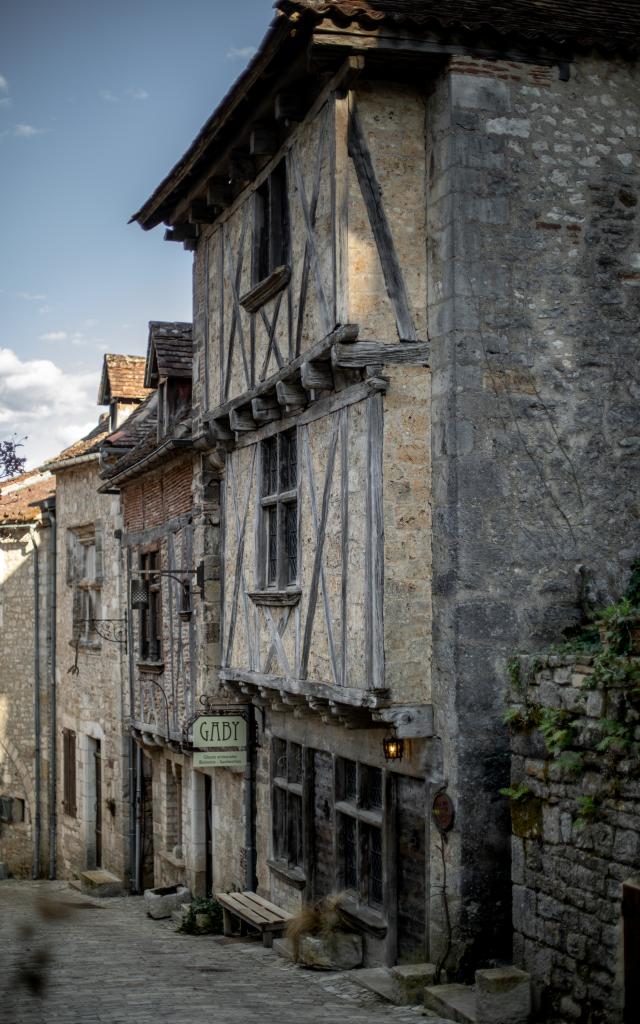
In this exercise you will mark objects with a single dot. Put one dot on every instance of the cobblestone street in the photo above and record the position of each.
(107, 961)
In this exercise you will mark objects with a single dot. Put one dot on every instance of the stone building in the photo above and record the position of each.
(150, 463)
(93, 749)
(25, 667)
(416, 252)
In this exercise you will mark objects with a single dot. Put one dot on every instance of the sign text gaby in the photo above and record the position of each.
(219, 732)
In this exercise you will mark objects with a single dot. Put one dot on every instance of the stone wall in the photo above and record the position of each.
(92, 701)
(19, 548)
(576, 839)
(533, 246)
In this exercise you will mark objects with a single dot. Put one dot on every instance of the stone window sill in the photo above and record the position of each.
(176, 862)
(366, 918)
(295, 876)
(151, 666)
(276, 598)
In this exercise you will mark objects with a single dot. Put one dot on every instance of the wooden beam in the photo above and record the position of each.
(289, 106)
(181, 232)
(263, 141)
(219, 192)
(242, 167)
(242, 420)
(217, 431)
(256, 297)
(265, 409)
(366, 353)
(380, 227)
(190, 245)
(291, 395)
(316, 375)
(202, 213)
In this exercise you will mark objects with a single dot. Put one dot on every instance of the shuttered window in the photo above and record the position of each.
(69, 772)
(84, 574)
(278, 562)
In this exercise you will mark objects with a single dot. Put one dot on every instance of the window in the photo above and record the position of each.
(173, 808)
(69, 772)
(271, 243)
(279, 504)
(84, 574)
(151, 616)
(359, 823)
(288, 843)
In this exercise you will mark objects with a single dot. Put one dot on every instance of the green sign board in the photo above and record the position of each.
(219, 758)
(219, 732)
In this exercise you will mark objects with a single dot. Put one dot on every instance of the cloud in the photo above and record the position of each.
(45, 309)
(4, 85)
(54, 336)
(27, 131)
(48, 405)
(31, 296)
(131, 94)
(240, 52)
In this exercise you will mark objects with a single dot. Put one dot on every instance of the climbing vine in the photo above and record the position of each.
(608, 748)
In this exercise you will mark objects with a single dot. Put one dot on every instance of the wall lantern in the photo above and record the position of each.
(138, 594)
(393, 748)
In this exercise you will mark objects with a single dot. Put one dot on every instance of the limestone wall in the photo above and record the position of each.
(533, 240)
(19, 548)
(91, 701)
(576, 839)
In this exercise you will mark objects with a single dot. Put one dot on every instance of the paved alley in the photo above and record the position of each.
(69, 960)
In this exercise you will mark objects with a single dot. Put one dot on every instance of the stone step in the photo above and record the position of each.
(455, 1002)
(100, 883)
(178, 916)
(402, 985)
(74, 883)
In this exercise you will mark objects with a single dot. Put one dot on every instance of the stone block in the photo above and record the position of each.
(337, 951)
(100, 883)
(479, 93)
(409, 981)
(163, 901)
(503, 994)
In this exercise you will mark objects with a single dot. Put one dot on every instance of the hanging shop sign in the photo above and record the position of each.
(219, 732)
(220, 741)
(219, 758)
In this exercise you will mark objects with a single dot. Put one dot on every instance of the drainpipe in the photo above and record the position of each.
(134, 824)
(35, 871)
(50, 507)
(249, 804)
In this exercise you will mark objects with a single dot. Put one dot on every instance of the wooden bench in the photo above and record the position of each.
(251, 909)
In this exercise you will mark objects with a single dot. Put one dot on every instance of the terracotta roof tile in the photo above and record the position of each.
(613, 24)
(18, 495)
(170, 351)
(122, 379)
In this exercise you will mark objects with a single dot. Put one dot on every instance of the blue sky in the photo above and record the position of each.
(97, 102)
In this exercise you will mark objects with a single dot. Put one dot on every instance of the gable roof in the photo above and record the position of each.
(20, 496)
(122, 379)
(612, 24)
(557, 26)
(169, 352)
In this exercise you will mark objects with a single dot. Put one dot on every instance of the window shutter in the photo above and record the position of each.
(99, 559)
(71, 555)
(77, 614)
(72, 773)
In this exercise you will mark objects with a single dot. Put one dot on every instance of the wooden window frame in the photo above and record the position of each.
(87, 587)
(279, 507)
(271, 243)
(291, 843)
(69, 778)
(368, 817)
(150, 626)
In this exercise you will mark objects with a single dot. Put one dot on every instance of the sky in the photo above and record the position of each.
(97, 103)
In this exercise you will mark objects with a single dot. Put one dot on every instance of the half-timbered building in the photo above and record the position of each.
(391, 382)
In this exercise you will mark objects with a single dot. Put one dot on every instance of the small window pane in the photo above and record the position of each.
(280, 758)
(288, 461)
(295, 762)
(372, 795)
(349, 781)
(294, 803)
(280, 823)
(349, 852)
(374, 841)
(272, 545)
(291, 541)
(270, 466)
